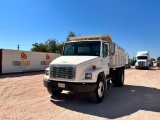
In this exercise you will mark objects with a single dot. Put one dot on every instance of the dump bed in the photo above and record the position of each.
(118, 59)
(105, 37)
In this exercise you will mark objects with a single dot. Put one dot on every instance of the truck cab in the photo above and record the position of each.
(143, 61)
(87, 64)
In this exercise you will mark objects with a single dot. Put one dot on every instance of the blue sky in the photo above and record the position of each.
(133, 24)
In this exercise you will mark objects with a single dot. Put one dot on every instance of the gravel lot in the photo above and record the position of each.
(23, 97)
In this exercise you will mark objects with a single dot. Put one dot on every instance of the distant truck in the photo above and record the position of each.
(127, 61)
(143, 60)
(158, 63)
(88, 64)
(154, 63)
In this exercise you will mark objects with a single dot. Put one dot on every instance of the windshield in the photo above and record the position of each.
(142, 57)
(85, 48)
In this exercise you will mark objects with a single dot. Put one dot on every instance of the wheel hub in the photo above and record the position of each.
(101, 89)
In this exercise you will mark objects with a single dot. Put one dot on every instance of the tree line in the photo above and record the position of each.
(51, 45)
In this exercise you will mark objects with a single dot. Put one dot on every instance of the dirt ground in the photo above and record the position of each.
(23, 97)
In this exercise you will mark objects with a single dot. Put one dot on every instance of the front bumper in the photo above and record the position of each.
(141, 67)
(74, 87)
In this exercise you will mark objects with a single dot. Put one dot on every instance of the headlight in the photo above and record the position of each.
(47, 72)
(88, 76)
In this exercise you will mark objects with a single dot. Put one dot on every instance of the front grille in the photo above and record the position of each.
(63, 72)
(141, 63)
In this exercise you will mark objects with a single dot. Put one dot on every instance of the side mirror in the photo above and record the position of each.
(112, 48)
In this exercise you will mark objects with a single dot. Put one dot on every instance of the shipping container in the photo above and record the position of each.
(16, 61)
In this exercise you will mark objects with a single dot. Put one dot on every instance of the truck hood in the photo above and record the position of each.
(72, 60)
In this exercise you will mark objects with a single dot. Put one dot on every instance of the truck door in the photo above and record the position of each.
(105, 58)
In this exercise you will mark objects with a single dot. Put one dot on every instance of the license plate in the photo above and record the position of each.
(61, 85)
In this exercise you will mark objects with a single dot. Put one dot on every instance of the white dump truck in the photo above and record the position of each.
(87, 64)
(143, 60)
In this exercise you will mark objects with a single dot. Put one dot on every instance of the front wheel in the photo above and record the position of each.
(54, 92)
(98, 95)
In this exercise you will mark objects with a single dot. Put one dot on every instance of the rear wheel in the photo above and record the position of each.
(118, 78)
(114, 78)
(98, 95)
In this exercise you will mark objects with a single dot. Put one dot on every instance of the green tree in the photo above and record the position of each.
(133, 62)
(39, 47)
(71, 34)
(60, 47)
(51, 45)
(158, 59)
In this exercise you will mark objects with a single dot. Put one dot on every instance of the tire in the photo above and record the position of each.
(98, 95)
(54, 92)
(114, 78)
(108, 84)
(118, 78)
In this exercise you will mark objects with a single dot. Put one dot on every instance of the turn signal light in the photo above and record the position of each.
(94, 67)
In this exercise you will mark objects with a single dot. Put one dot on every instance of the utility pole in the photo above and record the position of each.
(18, 47)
